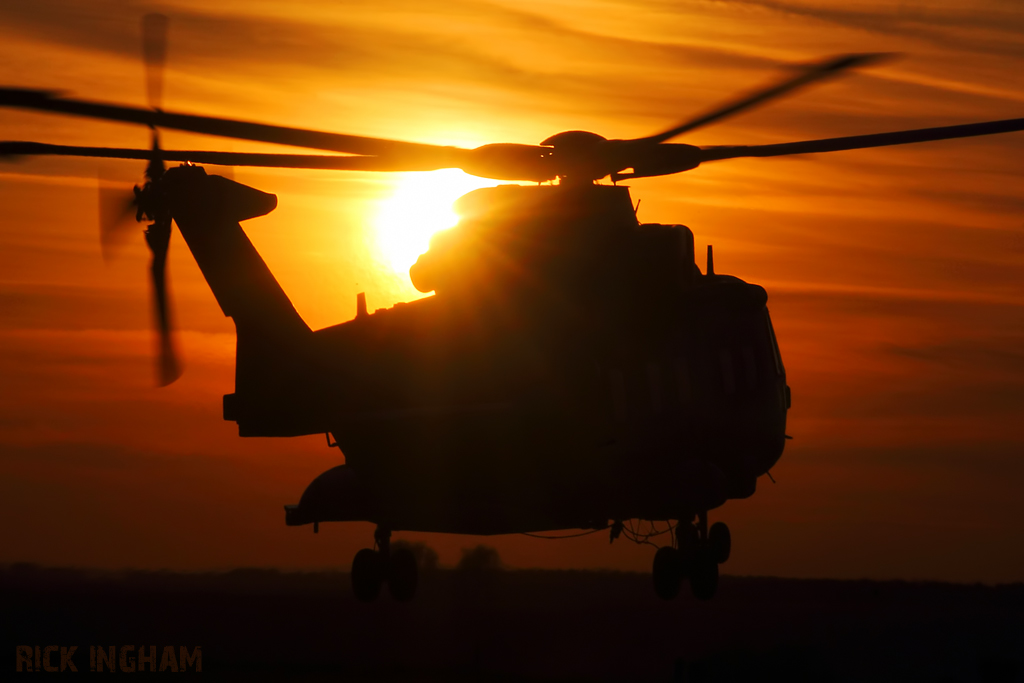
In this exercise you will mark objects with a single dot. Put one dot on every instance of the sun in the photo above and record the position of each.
(419, 206)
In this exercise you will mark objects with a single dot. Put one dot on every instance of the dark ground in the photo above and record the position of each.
(525, 625)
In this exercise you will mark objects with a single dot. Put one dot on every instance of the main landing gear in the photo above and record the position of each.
(695, 555)
(371, 568)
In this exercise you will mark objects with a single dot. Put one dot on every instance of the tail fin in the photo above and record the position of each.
(270, 370)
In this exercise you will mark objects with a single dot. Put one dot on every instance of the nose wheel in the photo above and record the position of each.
(372, 568)
(694, 556)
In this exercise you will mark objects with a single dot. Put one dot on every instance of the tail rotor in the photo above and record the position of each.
(117, 217)
(118, 207)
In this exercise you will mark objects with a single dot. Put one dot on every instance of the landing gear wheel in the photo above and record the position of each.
(402, 575)
(367, 575)
(704, 574)
(667, 573)
(720, 541)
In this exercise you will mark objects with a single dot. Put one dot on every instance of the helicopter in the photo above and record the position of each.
(574, 369)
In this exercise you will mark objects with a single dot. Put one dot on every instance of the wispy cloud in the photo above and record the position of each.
(988, 27)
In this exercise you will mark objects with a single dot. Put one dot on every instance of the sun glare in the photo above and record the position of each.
(420, 205)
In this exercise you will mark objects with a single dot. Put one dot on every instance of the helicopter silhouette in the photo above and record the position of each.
(574, 370)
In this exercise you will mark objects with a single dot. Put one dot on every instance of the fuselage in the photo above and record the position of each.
(467, 416)
(573, 367)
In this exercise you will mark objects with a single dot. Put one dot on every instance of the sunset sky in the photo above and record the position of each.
(895, 275)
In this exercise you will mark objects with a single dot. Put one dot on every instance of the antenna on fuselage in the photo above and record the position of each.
(361, 305)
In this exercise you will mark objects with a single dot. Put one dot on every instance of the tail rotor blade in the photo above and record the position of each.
(158, 237)
(168, 367)
(117, 217)
(154, 53)
(156, 167)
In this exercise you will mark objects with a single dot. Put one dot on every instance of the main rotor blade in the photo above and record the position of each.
(815, 73)
(498, 162)
(902, 137)
(40, 100)
(154, 54)
(341, 163)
